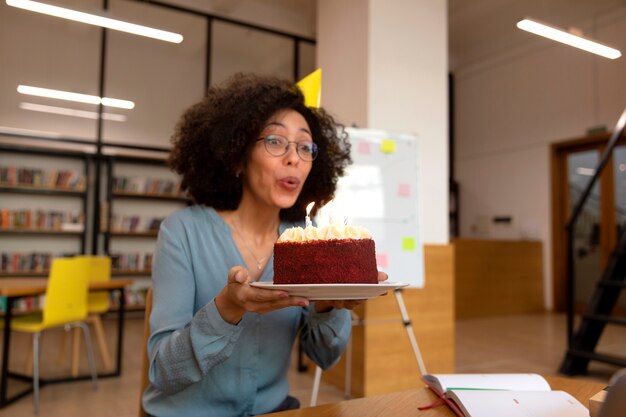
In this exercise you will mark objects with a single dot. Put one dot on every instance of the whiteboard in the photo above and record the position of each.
(380, 192)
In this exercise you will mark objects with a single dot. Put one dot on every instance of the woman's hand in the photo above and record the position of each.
(323, 305)
(238, 297)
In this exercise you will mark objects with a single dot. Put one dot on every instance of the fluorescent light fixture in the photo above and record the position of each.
(81, 98)
(64, 111)
(587, 172)
(92, 19)
(8, 130)
(550, 32)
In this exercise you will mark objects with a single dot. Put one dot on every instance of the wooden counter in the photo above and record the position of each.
(382, 357)
(497, 277)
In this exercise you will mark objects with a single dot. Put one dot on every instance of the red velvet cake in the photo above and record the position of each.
(331, 255)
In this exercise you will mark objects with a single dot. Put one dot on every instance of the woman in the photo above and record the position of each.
(218, 346)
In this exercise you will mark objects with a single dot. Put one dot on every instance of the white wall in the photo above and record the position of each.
(510, 108)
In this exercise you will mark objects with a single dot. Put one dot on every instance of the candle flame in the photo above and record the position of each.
(309, 207)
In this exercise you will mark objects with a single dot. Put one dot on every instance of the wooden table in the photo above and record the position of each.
(15, 288)
(405, 403)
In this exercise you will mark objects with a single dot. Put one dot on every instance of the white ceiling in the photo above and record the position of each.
(479, 29)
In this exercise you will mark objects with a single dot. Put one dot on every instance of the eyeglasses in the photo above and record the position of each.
(278, 145)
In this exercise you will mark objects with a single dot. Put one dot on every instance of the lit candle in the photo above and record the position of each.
(308, 213)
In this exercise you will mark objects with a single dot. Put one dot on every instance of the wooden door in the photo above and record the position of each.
(573, 165)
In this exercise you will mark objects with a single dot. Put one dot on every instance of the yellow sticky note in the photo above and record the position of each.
(408, 243)
(388, 146)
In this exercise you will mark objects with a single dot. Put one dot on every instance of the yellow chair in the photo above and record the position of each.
(65, 305)
(97, 304)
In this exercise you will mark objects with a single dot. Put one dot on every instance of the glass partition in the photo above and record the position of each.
(161, 78)
(46, 52)
(587, 250)
(619, 184)
(241, 49)
(306, 61)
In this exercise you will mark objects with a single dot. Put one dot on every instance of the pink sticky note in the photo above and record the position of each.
(381, 260)
(404, 190)
(364, 148)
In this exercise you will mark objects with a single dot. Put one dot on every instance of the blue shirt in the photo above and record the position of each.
(201, 365)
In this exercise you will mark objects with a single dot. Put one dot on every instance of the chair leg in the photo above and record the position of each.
(62, 347)
(75, 351)
(102, 343)
(316, 386)
(36, 372)
(28, 368)
(90, 355)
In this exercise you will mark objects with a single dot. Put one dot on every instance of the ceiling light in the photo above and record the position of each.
(550, 32)
(81, 98)
(8, 130)
(64, 111)
(92, 19)
(587, 172)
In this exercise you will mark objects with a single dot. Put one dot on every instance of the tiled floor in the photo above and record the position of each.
(528, 343)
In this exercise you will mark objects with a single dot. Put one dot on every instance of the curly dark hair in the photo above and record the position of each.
(213, 140)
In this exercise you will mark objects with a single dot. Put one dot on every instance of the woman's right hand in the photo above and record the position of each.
(238, 297)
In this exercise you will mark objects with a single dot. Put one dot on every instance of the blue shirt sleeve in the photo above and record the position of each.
(182, 346)
(324, 335)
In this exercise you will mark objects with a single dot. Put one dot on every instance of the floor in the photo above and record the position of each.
(525, 343)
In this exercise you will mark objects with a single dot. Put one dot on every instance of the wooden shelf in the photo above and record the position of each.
(27, 189)
(40, 232)
(129, 272)
(25, 274)
(151, 196)
(153, 233)
(131, 307)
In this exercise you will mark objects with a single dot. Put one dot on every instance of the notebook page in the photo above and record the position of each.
(517, 382)
(518, 404)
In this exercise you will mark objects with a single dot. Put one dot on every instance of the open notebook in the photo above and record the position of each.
(497, 395)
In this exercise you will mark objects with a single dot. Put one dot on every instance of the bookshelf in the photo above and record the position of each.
(43, 206)
(135, 186)
(139, 193)
(120, 217)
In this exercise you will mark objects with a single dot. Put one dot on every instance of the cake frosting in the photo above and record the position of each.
(333, 231)
(334, 254)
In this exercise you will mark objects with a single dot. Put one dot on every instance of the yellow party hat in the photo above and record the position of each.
(311, 87)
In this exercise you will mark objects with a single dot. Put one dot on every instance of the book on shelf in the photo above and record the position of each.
(144, 185)
(135, 224)
(497, 395)
(29, 219)
(138, 261)
(35, 177)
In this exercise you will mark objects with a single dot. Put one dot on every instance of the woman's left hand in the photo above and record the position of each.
(322, 306)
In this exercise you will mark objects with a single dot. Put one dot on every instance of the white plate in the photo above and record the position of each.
(333, 291)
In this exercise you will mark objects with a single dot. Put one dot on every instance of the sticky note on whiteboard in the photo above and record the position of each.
(408, 243)
(388, 146)
(364, 148)
(404, 190)
(381, 260)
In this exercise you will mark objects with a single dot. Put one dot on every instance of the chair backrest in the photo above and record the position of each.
(66, 294)
(99, 271)
(145, 361)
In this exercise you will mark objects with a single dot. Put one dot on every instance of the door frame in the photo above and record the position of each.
(560, 209)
